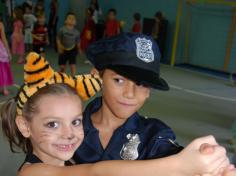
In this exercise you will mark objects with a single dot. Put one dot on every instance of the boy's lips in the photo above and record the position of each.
(127, 104)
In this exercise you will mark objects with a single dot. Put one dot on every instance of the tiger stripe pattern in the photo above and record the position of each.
(38, 73)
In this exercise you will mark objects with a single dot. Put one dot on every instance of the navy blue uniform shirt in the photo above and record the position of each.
(138, 138)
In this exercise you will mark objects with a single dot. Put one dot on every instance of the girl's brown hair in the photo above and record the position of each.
(18, 11)
(8, 115)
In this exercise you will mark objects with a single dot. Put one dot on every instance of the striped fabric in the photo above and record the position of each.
(38, 74)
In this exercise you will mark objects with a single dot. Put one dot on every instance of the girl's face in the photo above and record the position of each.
(56, 131)
(122, 96)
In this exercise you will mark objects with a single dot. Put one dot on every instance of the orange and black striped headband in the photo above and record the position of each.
(38, 74)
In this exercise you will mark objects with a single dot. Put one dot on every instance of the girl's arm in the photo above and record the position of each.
(4, 39)
(188, 162)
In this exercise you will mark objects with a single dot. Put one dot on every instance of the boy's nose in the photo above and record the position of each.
(129, 90)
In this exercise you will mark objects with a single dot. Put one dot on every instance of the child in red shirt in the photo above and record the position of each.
(137, 24)
(40, 35)
(112, 26)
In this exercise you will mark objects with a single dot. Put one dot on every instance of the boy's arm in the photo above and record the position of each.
(59, 45)
(188, 162)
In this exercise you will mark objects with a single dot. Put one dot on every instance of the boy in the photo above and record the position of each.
(137, 24)
(29, 20)
(68, 44)
(112, 26)
(129, 67)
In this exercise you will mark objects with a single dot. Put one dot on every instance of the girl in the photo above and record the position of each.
(49, 138)
(18, 47)
(97, 11)
(88, 33)
(6, 77)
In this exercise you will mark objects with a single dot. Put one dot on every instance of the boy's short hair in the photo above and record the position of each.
(112, 10)
(137, 16)
(133, 55)
(158, 14)
(70, 13)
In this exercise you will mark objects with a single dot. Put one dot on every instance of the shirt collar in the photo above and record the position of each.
(131, 124)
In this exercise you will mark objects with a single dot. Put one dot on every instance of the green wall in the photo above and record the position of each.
(147, 9)
(209, 26)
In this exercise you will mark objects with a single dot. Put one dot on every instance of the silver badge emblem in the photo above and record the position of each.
(129, 150)
(144, 50)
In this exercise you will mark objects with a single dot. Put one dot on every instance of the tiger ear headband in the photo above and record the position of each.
(38, 74)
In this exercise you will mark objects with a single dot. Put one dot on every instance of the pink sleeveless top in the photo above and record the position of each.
(3, 51)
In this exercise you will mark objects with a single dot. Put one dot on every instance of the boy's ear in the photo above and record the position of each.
(148, 92)
(22, 125)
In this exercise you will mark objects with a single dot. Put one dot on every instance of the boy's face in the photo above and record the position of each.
(56, 130)
(41, 20)
(111, 16)
(122, 96)
(70, 20)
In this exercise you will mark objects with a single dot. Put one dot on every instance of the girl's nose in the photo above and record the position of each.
(67, 133)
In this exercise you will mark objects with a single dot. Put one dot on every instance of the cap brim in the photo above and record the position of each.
(141, 76)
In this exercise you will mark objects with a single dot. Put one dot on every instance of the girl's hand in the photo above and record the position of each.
(204, 156)
(9, 56)
(230, 171)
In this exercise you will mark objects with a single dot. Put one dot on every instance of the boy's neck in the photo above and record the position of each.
(105, 118)
(69, 26)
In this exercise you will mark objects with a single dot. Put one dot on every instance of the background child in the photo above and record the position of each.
(39, 8)
(40, 35)
(52, 23)
(6, 77)
(112, 26)
(88, 34)
(18, 47)
(29, 20)
(137, 24)
(51, 137)
(68, 44)
(159, 31)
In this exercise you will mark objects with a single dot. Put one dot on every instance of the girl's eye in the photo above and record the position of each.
(52, 125)
(76, 122)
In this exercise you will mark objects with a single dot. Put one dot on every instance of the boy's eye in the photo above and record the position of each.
(77, 122)
(52, 125)
(119, 80)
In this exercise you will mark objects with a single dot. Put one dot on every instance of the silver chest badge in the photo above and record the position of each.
(144, 50)
(129, 150)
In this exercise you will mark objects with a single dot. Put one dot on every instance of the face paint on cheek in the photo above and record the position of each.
(48, 136)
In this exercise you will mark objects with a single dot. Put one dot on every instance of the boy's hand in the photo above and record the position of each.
(60, 50)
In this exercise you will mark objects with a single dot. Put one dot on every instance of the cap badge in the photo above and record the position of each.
(144, 50)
